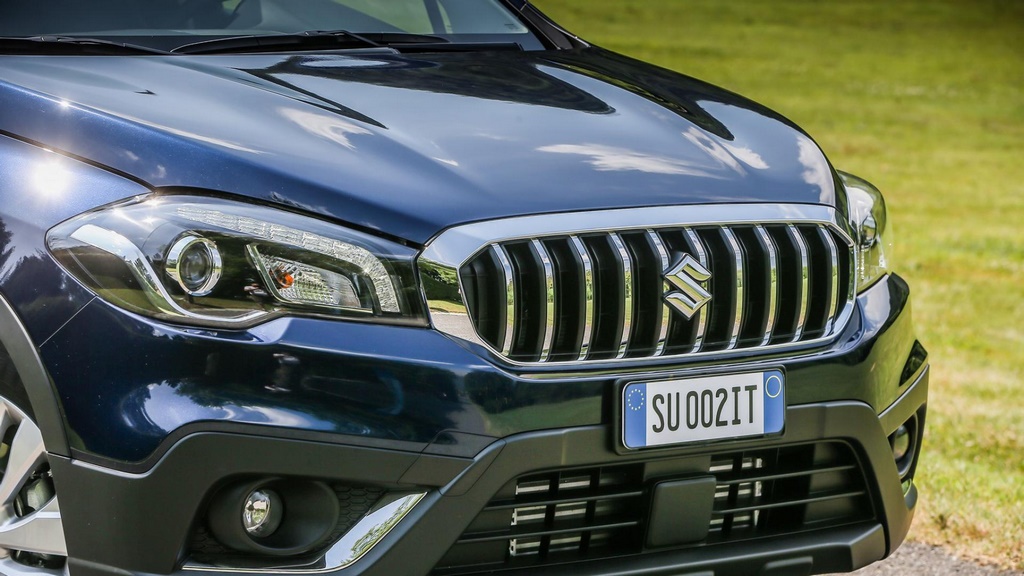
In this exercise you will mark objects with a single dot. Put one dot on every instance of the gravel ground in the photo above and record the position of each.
(913, 559)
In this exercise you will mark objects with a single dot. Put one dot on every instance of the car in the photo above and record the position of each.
(429, 287)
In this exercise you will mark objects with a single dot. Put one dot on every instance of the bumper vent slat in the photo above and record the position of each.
(603, 296)
(575, 515)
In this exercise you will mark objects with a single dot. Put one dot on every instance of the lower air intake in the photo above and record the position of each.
(576, 515)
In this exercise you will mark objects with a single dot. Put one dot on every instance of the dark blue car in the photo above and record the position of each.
(428, 287)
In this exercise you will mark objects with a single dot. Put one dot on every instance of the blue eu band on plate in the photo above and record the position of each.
(709, 408)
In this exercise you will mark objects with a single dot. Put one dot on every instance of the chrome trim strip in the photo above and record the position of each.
(509, 280)
(737, 320)
(773, 282)
(588, 297)
(805, 280)
(549, 298)
(833, 301)
(702, 314)
(354, 544)
(666, 312)
(626, 262)
(457, 245)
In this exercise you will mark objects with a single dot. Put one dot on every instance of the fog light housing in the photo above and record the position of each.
(904, 446)
(262, 513)
(273, 516)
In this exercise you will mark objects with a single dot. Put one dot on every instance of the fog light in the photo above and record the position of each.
(273, 516)
(904, 446)
(262, 513)
(900, 443)
(195, 263)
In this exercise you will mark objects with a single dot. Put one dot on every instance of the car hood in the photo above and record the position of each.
(409, 145)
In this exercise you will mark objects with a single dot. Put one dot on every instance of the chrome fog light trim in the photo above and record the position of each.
(360, 539)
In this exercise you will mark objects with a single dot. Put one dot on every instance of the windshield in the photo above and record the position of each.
(166, 24)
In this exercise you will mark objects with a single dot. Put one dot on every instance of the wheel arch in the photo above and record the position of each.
(33, 379)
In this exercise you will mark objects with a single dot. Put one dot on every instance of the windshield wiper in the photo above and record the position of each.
(308, 40)
(72, 45)
(337, 40)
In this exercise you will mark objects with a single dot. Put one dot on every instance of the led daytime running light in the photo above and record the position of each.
(359, 257)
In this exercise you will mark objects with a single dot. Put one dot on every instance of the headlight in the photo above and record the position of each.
(869, 224)
(219, 263)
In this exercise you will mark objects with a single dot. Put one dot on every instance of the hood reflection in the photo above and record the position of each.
(610, 158)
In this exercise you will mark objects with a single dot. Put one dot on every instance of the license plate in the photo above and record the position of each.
(703, 409)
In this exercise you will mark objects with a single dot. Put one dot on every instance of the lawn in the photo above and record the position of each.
(926, 100)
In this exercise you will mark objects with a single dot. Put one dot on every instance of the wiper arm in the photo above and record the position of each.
(308, 40)
(72, 45)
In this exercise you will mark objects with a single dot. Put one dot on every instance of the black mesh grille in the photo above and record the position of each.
(585, 514)
(600, 296)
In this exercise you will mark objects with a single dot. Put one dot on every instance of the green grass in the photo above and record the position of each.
(926, 100)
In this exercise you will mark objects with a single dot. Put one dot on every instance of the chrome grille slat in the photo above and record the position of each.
(773, 282)
(833, 302)
(702, 315)
(805, 280)
(626, 290)
(737, 321)
(666, 312)
(590, 296)
(510, 297)
(549, 298)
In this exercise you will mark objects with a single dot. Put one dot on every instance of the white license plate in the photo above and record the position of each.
(703, 409)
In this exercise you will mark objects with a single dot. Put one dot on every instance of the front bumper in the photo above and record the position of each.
(410, 410)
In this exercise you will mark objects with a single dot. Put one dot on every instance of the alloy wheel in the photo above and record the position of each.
(31, 533)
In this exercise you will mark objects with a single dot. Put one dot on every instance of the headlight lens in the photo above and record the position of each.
(219, 263)
(870, 225)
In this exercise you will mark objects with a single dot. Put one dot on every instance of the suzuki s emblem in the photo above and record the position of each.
(687, 293)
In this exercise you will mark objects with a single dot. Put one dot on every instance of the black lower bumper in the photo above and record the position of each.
(141, 523)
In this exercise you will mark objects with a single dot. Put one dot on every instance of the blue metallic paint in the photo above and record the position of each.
(411, 144)
(39, 188)
(377, 385)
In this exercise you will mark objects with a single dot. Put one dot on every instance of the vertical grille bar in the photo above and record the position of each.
(733, 245)
(549, 298)
(805, 279)
(588, 296)
(666, 313)
(702, 315)
(833, 302)
(508, 280)
(626, 262)
(773, 281)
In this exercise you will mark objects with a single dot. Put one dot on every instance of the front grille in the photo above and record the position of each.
(606, 295)
(566, 516)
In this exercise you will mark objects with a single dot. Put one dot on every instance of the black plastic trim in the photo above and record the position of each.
(34, 377)
(114, 519)
(142, 522)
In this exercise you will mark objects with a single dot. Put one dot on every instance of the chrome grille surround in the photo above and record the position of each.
(765, 260)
